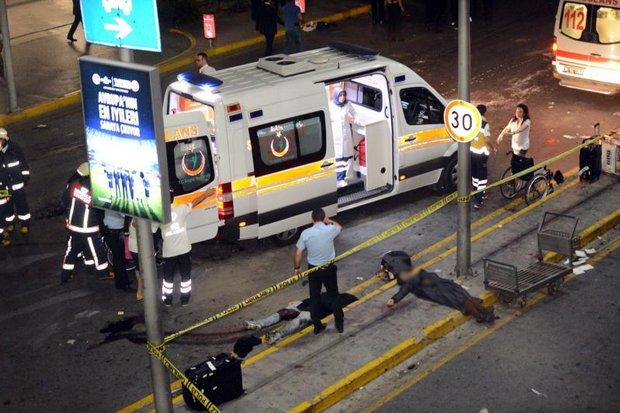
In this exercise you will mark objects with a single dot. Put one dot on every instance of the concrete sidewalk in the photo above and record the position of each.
(45, 64)
(300, 371)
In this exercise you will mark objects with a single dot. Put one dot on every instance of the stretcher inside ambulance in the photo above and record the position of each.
(586, 48)
(335, 128)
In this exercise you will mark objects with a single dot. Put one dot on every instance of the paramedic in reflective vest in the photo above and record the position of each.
(343, 116)
(176, 252)
(480, 148)
(319, 241)
(5, 193)
(18, 174)
(82, 225)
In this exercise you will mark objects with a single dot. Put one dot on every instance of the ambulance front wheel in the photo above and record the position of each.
(286, 237)
(449, 175)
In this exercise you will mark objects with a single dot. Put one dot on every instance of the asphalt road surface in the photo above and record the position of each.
(568, 358)
(53, 354)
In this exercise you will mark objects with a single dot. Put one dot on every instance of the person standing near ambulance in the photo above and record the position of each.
(519, 128)
(176, 252)
(18, 174)
(343, 117)
(481, 148)
(82, 225)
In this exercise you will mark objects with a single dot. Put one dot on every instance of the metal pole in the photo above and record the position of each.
(463, 245)
(160, 378)
(8, 56)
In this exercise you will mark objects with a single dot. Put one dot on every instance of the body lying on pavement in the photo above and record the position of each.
(430, 286)
(297, 316)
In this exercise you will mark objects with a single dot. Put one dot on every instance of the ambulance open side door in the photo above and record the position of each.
(378, 155)
(192, 170)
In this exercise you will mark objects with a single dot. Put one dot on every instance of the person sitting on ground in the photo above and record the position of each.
(430, 286)
(297, 315)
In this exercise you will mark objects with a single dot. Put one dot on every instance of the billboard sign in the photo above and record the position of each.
(124, 138)
(122, 23)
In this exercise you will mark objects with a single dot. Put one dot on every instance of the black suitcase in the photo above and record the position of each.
(218, 377)
(591, 157)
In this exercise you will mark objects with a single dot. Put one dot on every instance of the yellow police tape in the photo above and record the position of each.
(157, 351)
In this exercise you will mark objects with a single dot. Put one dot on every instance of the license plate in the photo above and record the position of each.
(573, 70)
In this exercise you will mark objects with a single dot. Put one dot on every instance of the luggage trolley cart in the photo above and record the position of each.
(556, 233)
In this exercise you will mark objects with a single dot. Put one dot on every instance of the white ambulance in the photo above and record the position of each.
(586, 47)
(259, 139)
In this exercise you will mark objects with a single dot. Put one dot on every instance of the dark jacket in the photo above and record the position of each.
(77, 199)
(326, 303)
(432, 287)
(268, 19)
(15, 165)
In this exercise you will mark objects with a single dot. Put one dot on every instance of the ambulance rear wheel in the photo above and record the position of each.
(449, 176)
(285, 238)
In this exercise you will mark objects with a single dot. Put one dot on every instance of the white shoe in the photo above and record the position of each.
(341, 184)
(251, 325)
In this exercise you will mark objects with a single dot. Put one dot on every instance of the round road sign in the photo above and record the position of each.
(462, 120)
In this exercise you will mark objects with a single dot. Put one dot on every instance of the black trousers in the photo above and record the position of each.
(269, 43)
(479, 172)
(114, 240)
(377, 11)
(76, 21)
(327, 277)
(90, 245)
(18, 206)
(184, 264)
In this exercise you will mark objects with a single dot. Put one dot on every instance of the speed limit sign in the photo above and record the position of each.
(462, 120)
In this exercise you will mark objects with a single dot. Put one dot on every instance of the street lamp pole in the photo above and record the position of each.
(8, 56)
(463, 245)
(160, 377)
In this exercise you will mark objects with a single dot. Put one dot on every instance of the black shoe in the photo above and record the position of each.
(65, 278)
(318, 329)
(340, 327)
(185, 299)
(167, 301)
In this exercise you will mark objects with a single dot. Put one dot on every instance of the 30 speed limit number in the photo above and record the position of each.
(462, 120)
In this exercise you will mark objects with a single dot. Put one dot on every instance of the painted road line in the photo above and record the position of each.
(479, 336)
(167, 66)
(302, 333)
(404, 350)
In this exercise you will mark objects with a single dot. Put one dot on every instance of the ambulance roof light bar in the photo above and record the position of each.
(353, 49)
(198, 79)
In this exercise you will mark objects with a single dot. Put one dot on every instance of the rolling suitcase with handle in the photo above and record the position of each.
(218, 377)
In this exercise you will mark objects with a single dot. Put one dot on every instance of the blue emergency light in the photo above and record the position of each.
(198, 79)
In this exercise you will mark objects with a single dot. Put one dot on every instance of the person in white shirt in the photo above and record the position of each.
(176, 252)
(343, 116)
(519, 128)
(202, 63)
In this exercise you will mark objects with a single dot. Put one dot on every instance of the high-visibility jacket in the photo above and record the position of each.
(14, 163)
(77, 198)
(478, 144)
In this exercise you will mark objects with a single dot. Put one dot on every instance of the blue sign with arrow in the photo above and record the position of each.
(122, 23)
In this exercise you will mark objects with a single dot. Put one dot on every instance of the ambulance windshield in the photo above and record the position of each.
(178, 103)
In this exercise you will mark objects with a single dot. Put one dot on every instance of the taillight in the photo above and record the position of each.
(554, 47)
(225, 209)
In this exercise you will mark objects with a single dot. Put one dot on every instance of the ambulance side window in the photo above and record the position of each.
(421, 107)
(288, 143)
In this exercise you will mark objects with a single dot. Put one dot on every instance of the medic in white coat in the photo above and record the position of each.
(343, 116)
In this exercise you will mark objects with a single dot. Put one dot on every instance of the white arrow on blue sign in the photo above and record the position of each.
(122, 23)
